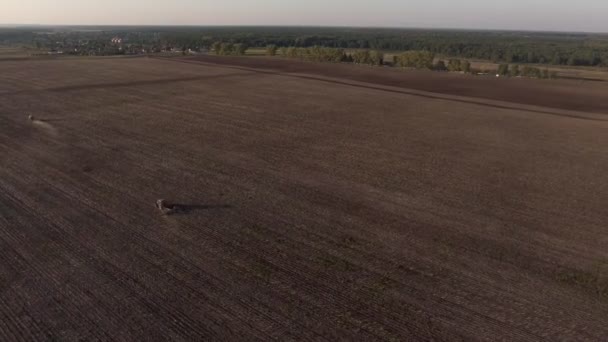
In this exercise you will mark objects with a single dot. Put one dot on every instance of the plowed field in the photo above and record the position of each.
(315, 205)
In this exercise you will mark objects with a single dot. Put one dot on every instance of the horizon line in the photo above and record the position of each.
(13, 25)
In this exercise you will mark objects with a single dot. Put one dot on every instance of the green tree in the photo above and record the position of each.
(291, 52)
(415, 59)
(503, 69)
(515, 71)
(545, 73)
(529, 71)
(465, 66)
(376, 57)
(217, 48)
(239, 49)
(271, 50)
(571, 61)
(557, 59)
(226, 49)
(361, 57)
(454, 65)
(440, 66)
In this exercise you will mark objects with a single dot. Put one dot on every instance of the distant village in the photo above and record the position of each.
(115, 46)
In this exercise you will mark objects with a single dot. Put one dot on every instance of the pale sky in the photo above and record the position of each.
(551, 15)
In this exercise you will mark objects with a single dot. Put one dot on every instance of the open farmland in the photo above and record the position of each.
(316, 205)
(564, 94)
(13, 53)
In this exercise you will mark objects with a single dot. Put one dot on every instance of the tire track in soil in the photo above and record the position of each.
(85, 87)
(118, 276)
(118, 279)
(78, 196)
(427, 95)
(43, 274)
(102, 214)
(238, 243)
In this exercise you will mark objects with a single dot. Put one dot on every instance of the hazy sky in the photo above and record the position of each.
(560, 15)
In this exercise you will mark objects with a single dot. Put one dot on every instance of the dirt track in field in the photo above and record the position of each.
(561, 94)
(313, 210)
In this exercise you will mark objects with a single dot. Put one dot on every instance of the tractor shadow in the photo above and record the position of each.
(181, 208)
(53, 120)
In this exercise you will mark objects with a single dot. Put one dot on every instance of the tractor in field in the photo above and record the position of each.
(165, 207)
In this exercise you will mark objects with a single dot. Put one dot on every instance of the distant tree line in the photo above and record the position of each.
(409, 59)
(324, 54)
(315, 53)
(229, 49)
(415, 59)
(525, 71)
(508, 47)
(371, 57)
(271, 50)
(454, 65)
(458, 65)
(576, 49)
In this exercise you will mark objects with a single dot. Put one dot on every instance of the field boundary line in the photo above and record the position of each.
(412, 92)
(78, 87)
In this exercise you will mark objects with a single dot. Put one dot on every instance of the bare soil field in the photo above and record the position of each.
(565, 94)
(581, 73)
(310, 208)
(13, 53)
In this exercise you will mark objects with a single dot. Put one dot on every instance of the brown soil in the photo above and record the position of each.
(563, 94)
(313, 210)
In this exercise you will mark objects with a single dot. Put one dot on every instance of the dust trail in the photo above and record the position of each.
(50, 129)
